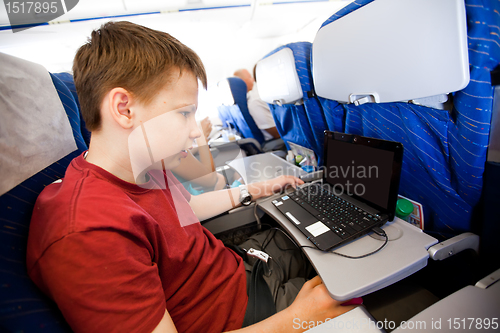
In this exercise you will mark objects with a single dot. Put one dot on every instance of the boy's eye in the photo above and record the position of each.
(185, 114)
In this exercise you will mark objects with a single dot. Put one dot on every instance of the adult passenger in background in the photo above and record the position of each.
(259, 110)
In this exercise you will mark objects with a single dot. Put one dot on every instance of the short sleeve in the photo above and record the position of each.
(103, 281)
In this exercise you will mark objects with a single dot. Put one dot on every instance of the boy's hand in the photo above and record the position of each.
(314, 303)
(269, 187)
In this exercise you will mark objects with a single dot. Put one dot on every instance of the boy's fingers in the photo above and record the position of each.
(297, 180)
(315, 281)
(294, 181)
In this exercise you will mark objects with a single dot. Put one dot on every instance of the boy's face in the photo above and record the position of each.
(166, 128)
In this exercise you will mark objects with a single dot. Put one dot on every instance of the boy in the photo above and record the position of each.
(118, 244)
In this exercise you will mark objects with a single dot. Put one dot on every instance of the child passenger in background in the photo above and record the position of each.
(200, 171)
(118, 244)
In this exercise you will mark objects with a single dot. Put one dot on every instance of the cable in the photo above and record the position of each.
(297, 247)
(269, 237)
(284, 233)
(257, 218)
(377, 230)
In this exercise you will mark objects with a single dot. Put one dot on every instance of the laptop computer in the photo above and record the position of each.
(358, 192)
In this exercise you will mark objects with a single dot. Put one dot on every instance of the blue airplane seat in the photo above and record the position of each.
(24, 308)
(244, 122)
(334, 114)
(234, 113)
(229, 111)
(299, 119)
(67, 79)
(445, 149)
(225, 115)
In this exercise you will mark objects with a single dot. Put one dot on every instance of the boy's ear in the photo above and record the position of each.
(120, 101)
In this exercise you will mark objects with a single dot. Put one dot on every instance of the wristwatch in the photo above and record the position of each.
(245, 197)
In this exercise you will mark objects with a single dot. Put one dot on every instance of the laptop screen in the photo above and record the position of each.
(366, 168)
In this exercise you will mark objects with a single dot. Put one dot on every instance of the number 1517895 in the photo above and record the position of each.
(28, 7)
(473, 323)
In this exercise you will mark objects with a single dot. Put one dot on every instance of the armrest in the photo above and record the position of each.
(454, 245)
(252, 141)
(279, 153)
(214, 151)
(250, 146)
(275, 144)
(489, 280)
(468, 302)
(232, 219)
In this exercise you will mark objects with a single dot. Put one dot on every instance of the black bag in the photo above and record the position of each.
(260, 299)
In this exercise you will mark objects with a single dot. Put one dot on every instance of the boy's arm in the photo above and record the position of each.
(166, 325)
(313, 303)
(210, 204)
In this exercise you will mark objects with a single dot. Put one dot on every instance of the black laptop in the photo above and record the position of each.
(358, 192)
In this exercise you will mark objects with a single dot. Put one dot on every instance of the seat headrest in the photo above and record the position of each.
(35, 131)
(224, 93)
(277, 78)
(238, 90)
(242, 118)
(392, 50)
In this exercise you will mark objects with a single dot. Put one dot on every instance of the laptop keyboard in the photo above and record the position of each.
(342, 217)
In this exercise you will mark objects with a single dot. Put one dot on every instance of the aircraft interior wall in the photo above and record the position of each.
(226, 34)
(443, 165)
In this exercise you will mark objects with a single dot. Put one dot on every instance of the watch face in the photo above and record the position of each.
(246, 200)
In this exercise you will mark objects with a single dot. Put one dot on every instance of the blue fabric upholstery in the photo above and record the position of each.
(232, 114)
(304, 124)
(67, 79)
(346, 10)
(334, 113)
(445, 152)
(225, 114)
(244, 122)
(23, 308)
(288, 119)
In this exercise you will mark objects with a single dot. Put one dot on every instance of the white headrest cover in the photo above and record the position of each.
(393, 50)
(35, 131)
(224, 93)
(277, 78)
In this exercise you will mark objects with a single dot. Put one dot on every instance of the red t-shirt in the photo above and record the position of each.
(114, 256)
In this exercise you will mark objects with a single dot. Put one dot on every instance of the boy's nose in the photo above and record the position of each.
(195, 132)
